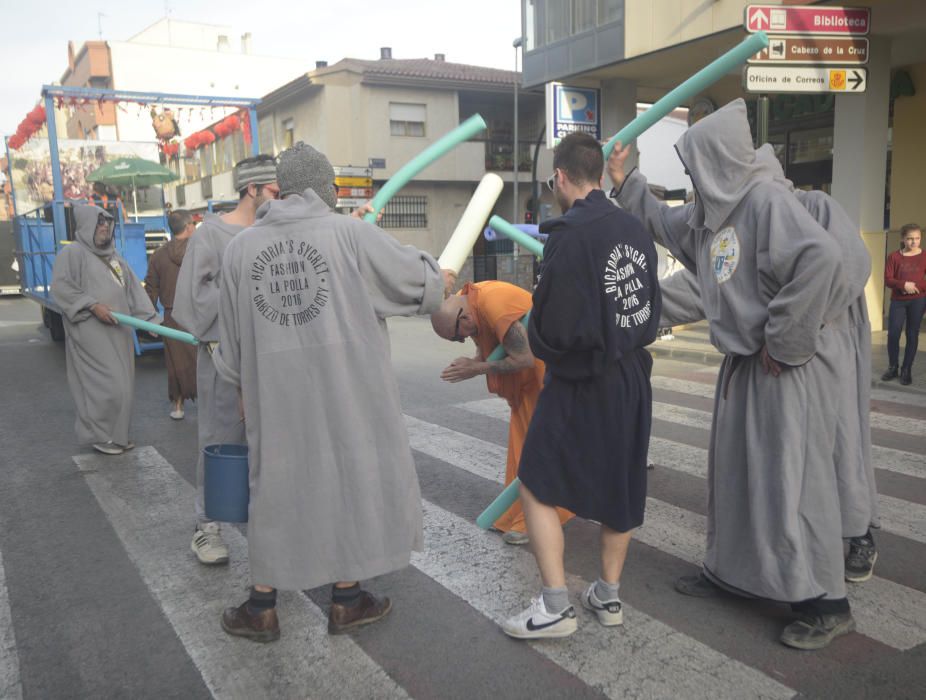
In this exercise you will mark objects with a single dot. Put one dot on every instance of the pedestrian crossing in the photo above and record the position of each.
(148, 504)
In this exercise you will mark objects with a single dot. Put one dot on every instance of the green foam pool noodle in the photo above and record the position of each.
(697, 83)
(439, 148)
(162, 331)
(499, 225)
(498, 507)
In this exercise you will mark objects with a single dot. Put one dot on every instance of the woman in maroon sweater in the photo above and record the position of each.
(905, 274)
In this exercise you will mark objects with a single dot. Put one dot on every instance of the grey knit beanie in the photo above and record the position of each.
(302, 167)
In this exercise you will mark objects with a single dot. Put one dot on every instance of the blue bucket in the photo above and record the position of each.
(225, 483)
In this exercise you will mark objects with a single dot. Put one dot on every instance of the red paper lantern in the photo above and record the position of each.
(208, 137)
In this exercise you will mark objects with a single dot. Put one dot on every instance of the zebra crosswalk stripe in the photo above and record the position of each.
(10, 683)
(644, 658)
(898, 516)
(898, 424)
(150, 506)
(889, 612)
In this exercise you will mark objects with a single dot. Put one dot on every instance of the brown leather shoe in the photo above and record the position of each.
(369, 608)
(258, 626)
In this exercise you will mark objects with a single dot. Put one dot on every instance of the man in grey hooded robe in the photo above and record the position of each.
(334, 494)
(196, 308)
(90, 280)
(774, 290)
(682, 304)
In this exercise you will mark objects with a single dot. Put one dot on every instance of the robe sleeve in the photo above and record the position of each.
(681, 299)
(66, 289)
(140, 305)
(227, 355)
(400, 279)
(667, 225)
(196, 300)
(565, 327)
(805, 263)
(153, 280)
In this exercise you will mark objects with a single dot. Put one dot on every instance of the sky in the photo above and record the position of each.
(33, 51)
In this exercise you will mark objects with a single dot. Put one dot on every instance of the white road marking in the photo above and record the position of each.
(10, 682)
(643, 658)
(889, 612)
(150, 506)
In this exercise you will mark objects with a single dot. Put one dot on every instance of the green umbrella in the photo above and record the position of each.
(136, 172)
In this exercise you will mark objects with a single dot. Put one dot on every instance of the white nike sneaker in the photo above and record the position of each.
(609, 612)
(536, 622)
(207, 544)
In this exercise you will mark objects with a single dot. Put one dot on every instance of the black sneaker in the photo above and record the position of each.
(698, 586)
(860, 562)
(890, 374)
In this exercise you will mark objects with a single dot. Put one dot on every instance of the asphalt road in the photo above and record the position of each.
(101, 597)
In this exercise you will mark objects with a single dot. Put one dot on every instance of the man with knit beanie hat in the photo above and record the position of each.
(302, 326)
(196, 308)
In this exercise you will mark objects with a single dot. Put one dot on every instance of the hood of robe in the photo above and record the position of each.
(583, 211)
(720, 158)
(831, 216)
(291, 208)
(86, 216)
(176, 249)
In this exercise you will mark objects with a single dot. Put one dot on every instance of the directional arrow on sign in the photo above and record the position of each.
(758, 17)
(856, 80)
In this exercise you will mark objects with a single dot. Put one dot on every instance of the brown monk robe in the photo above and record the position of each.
(161, 282)
(486, 312)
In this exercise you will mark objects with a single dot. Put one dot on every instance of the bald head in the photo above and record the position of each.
(444, 320)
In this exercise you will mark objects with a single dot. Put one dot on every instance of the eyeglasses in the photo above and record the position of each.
(457, 338)
(551, 182)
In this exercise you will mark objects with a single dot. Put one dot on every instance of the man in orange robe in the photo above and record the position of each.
(489, 313)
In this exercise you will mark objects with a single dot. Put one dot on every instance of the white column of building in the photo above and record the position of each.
(860, 165)
(618, 108)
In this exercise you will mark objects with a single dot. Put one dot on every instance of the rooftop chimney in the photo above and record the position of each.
(321, 64)
(222, 43)
(246, 42)
(385, 52)
(440, 57)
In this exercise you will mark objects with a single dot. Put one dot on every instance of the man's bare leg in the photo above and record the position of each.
(614, 547)
(547, 540)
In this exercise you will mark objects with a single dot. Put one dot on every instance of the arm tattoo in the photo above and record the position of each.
(518, 349)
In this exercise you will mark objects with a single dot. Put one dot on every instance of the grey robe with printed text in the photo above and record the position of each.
(196, 308)
(305, 295)
(769, 275)
(100, 357)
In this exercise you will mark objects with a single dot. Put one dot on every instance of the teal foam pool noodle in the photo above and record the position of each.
(697, 83)
(447, 142)
(499, 225)
(162, 331)
(498, 507)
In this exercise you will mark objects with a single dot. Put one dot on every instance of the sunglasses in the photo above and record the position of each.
(551, 182)
(457, 338)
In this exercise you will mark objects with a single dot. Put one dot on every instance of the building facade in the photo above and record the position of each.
(383, 113)
(865, 149)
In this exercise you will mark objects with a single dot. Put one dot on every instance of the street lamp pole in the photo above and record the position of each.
(516, 170)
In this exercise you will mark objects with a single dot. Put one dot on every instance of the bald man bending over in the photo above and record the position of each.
(489, 313)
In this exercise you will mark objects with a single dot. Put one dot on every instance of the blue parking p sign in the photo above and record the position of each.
(571, 109)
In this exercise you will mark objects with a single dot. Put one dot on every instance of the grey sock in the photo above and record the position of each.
(555, 599)
(607, 591)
